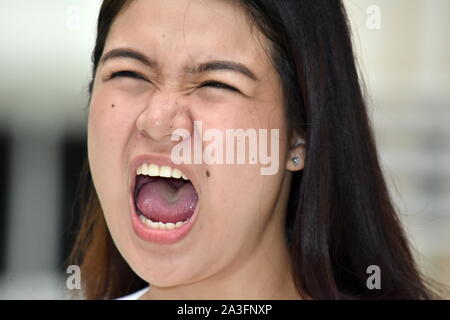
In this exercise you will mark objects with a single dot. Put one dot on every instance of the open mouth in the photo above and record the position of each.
(163, 197)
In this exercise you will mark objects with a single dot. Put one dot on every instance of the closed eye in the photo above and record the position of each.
(127, 74)
(134, 75)
(219, 85)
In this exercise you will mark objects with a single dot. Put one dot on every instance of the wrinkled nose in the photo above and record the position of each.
(162, 115)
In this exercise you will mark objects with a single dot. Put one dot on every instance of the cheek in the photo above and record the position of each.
(110, 118)
(102, 120)
(100, 135)
(108, 126)
(239, 196)
(239, 207)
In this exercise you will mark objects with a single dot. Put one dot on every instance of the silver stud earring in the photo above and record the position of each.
(296, 160)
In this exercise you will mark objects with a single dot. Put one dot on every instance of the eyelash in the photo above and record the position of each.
(127, 74)
(213, 84)
(219, 85)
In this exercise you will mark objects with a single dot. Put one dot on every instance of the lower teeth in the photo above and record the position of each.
(161, 225)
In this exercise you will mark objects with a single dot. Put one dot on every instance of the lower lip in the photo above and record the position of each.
(160, 236)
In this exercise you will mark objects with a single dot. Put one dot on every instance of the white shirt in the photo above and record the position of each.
(135, 295)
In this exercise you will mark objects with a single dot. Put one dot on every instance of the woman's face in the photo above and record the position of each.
(132, 118)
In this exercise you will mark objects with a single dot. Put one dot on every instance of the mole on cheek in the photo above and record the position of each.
(113, 105)
(208, 174)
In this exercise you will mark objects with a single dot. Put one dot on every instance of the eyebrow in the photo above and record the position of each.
(215, 65)
(127, 53)
(221, 65)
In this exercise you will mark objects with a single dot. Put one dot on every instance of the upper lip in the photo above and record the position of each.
(160, 160)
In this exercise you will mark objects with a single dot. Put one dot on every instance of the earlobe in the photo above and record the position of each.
(296, 159)
(295, 163)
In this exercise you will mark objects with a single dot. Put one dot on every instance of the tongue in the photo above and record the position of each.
(162, 200)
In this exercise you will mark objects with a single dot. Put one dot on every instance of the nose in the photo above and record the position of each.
(163, 114)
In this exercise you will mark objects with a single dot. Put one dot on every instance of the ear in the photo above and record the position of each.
(296, 155)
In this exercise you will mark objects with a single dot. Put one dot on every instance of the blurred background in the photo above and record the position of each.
(403, 50)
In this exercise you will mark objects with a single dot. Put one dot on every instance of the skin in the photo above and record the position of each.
(237, 248)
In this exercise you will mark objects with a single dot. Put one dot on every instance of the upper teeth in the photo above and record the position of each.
(154, 170)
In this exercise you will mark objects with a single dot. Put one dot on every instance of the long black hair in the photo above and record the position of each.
(340, 218)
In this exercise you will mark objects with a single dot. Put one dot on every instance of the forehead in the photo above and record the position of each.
(181, 31)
